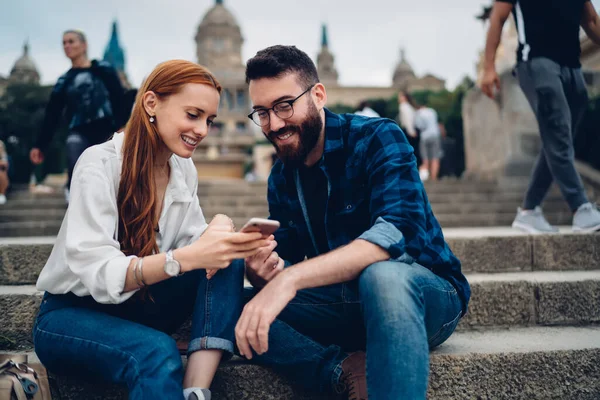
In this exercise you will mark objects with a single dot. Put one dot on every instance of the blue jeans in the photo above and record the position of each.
(129, 343)
(394, 311)
(558, 97)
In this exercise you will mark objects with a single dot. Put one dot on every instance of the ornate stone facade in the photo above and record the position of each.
(403, 79)
(226, 151)
(24, 70)
(326, 62)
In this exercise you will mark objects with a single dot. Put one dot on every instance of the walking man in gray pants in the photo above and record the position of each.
(550, 75)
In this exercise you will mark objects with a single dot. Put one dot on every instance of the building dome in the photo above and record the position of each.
(220, 16)
(403, 72)
(219, 40)
(24, 70)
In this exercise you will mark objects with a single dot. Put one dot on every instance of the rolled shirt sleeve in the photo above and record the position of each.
(397, 197)
(93, 253)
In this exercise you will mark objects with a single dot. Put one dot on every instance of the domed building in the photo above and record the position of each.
(24, 71)
(403, 74)
(403, 79)
(225, 152)
(219, 42)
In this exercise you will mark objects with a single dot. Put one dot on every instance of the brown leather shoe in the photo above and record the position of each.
(354, 376)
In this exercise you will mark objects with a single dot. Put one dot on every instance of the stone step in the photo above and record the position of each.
(487, 219)
(39, 214)
(452, 216)
(30, 228)
(43, 222)
(29, 204)
(21, 261)
(236, 205)
(508, 300)
(550, 206)
(515, 364)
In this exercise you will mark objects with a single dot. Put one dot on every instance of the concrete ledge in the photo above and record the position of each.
(557, 252)
(534, 298)
(490, 254)
(19, 307)
(30, 228)
(527, 252)
(21, 263)
(509, 300)
(530, 363)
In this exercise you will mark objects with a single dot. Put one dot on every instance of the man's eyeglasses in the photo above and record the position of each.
(283, 109)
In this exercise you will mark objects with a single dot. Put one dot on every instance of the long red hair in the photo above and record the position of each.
(137, 200)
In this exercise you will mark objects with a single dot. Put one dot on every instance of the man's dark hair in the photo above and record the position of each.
(275, 61)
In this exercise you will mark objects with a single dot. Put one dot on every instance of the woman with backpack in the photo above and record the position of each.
(91, 94)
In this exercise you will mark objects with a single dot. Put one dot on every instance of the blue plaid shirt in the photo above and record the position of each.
(374, 193)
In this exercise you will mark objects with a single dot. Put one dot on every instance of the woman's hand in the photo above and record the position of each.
(218, 247)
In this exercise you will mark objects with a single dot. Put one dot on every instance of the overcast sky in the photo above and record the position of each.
(440, 37)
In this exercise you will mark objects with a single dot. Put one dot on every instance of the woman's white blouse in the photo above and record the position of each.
(86, 258)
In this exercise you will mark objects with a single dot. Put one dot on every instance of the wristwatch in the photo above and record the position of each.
(172, 266)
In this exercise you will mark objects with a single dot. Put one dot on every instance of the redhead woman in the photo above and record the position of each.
(134, 257)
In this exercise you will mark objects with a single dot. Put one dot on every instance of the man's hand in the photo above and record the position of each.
(252, 329)
(264, 265)
(490, 81)
(36, 156)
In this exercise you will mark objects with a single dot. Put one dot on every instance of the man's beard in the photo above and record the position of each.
(308, 136)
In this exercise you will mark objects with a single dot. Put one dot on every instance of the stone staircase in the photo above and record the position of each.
(532, 331)
(456, 203)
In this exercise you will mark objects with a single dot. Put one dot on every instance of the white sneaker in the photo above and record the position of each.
(200, 394)
(2, 199)
(424, 174)
(532, 221)
(586, 218)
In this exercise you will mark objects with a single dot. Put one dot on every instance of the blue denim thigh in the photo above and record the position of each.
(85, 343)
(407, 310)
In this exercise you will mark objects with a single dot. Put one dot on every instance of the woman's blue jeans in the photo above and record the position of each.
(129, 343)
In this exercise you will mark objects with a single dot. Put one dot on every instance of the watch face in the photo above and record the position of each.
(172, 268)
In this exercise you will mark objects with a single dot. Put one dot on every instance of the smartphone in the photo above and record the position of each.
(265, 226)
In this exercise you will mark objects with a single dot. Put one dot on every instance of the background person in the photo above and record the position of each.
(430, 141)
(92, 95)
(549, 72)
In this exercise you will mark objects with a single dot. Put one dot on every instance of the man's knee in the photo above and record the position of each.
(390, 282)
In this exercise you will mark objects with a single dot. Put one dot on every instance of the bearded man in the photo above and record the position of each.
(359, 277)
